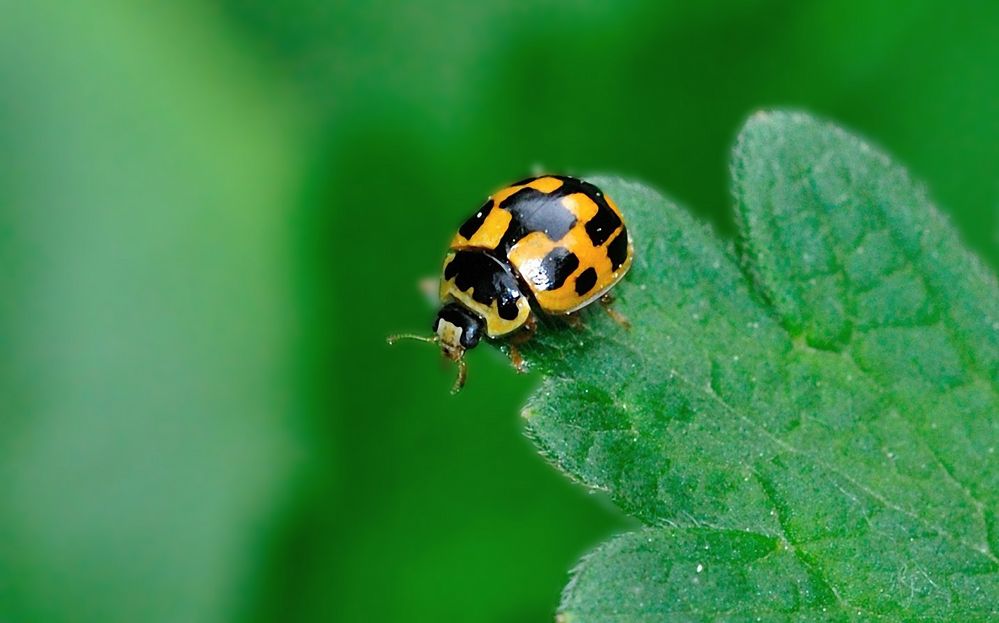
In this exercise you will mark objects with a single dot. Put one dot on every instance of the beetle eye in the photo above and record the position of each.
(470, 335)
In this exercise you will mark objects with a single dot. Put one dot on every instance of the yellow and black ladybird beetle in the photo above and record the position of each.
(553, 243)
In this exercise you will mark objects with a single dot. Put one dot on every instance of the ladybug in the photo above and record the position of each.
(553, 244)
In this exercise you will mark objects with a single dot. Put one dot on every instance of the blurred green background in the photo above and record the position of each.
(211, 214)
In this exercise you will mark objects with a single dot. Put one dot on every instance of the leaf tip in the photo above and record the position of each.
(778, 116)
(760, 116)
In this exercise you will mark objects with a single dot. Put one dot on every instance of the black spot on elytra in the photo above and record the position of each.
(532, 210)
(554, 269)
(604, 222)
(491, 280)
(617, 250)
(473, 224)
(586, 280)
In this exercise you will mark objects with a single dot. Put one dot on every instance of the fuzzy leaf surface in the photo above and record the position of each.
(808, 427)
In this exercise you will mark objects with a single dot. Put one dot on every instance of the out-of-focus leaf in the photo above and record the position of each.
(816, 441)
(145, 176)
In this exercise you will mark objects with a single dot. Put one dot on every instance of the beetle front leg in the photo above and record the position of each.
(526, 333)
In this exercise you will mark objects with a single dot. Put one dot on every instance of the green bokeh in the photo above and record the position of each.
(211, 216)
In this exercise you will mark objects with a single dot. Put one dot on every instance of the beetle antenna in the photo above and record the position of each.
(392, 339)
(462, 375)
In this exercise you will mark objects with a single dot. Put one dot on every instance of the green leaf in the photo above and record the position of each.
(809, 431)
(144, 189)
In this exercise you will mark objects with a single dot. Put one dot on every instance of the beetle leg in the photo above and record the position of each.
(430, 288)
(606, 301)
(516, 359)
(459, 381)
(574, 321)
(522, 336)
